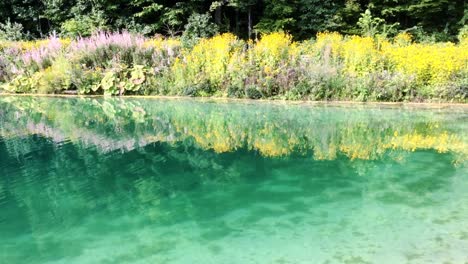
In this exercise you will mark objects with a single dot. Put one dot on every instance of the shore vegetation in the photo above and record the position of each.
(274, 66)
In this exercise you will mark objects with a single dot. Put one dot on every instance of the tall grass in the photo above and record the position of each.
(330, 67)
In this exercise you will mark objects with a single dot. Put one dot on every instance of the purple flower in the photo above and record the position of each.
(105, 39)
(38, 55)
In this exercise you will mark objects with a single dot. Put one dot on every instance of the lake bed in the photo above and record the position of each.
(126, 180)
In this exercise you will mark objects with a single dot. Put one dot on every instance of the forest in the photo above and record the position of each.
(436, 20)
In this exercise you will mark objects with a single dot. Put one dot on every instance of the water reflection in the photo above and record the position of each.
(91, 180)
(272, 130)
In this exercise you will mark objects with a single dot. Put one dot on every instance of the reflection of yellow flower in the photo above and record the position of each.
(441, 142)
(272, 135)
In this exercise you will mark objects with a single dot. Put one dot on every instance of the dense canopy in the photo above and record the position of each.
(436, 19)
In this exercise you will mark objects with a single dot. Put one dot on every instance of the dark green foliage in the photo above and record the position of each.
(278, 15)
(318, 16)
(198, 26)
(83, 25)
(252, 92)
(438, 20)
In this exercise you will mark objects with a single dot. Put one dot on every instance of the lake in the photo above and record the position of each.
(92, 180)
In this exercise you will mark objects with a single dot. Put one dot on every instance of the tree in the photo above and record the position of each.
(278, 15)
(198, 26)
(167, 17)
(318, 16)
(441, 17)
(27, 13)
(302, 18)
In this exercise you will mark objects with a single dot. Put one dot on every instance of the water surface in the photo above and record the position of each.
(89, 180)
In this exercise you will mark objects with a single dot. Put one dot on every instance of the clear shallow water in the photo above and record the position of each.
(183, 181)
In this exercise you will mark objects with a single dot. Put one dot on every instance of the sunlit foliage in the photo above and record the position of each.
(332, 67)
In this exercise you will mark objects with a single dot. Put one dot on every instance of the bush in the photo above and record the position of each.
(83, 26)
(11, 31)
(463, 34)
(57, 77)
(198, 26)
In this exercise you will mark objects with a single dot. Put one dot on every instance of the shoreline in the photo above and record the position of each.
(227, 66)
(247, 100)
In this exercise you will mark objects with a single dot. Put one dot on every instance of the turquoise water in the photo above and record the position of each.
(184, 181)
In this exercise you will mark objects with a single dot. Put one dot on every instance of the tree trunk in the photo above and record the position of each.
(218, 13)
(249, 14)
(460, 7)
(237, 21)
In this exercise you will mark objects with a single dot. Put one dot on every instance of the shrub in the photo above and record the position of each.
(198, 26)
(11, 31)
(83, 26)
(86, 81)
(57, 77)
(369, 25)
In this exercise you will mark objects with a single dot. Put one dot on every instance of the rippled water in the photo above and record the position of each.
(182, 181)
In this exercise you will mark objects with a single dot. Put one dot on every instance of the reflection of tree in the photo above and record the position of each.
(271, 130)
(416, 185)
(65, 185)
(79, 161)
